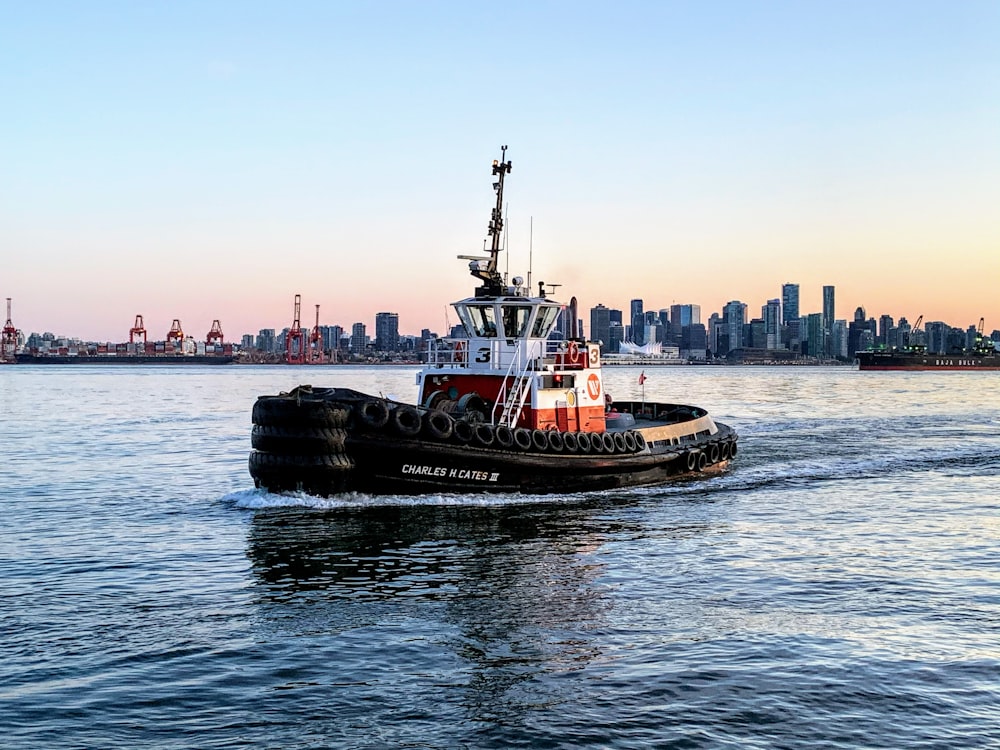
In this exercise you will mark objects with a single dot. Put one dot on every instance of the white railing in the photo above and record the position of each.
(515, 389)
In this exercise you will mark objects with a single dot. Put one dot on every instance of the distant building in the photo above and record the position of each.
(734, 317)
(359, 339)
(789, 303)
(860, 336)
(637, 321)
(387, 332)
(266, 340)
(680, 316)
(600, 323)
(829, 314)
(771, 315)
(694, 342)
(814, 343)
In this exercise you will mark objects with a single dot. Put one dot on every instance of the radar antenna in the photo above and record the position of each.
(486, 268)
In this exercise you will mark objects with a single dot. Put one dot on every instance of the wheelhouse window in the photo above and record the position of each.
(479, 320)
(515, 320)
(544, 322)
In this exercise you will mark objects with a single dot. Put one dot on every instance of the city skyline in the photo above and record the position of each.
(789, 298)
(205, 162)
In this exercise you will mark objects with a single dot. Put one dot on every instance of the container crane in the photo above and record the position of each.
(214, 336)
(295, 353)
(316, 353)
(176, 333)
(10, 336)
(138, 329)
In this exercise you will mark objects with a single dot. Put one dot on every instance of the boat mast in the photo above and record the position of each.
(492, 281)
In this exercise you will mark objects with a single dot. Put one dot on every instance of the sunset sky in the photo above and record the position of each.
(202, 160)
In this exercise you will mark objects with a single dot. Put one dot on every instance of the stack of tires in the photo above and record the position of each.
(699, 459)
(298, 443)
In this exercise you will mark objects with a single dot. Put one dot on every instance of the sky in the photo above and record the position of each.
(211, 160)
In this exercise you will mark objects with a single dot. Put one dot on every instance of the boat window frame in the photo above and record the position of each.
(486, 325)
(522, 328)
(545, 321)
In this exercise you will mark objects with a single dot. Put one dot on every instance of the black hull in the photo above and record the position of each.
(875, 361)
(337, 442)
(131, 359)
(417, 467)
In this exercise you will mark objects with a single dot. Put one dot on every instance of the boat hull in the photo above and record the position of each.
(130, 359)
(901, 361)
(340, 447)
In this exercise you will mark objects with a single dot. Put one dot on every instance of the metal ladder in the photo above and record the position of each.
(519, 382)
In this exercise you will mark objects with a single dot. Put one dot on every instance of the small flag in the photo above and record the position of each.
(642, 377)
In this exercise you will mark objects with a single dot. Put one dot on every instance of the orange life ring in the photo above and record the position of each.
(574, 352)
(459, 352)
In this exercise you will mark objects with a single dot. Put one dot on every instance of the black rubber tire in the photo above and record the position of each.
(317, 475)
(539, 440)
(597, 443)
(374, 414)
(438, 425)
(725, 450)
(485, 435)
(583, 442)
(630, 446)
(609, 442)
(290, 441)
(504, 436)
(463, 431)
(619, 438)
(522, 439)
(713, 453)
(732, 450)
(640, 441)
(405, 420)
(556, 442)
(702, 461)
(691, 460)
(289, 411)
(570, 443)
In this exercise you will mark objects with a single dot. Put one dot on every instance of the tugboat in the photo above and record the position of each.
(508, 407)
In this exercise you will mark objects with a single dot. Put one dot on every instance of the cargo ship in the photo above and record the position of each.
(27, 358)
(920, 359)
(178, 349)
(506, 407)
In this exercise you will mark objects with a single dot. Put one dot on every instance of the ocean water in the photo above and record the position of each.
(839, 587)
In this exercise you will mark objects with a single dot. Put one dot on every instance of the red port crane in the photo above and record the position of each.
(316, 354)
(10, 333)
(215, 335)
(176, 333)
(295, 350)
(136, 330)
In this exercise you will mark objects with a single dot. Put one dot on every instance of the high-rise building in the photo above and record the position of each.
(829, 314)
(600, 325)
(885, 325)
(332, 336)
(637, 321)
(680, 316)
(815, 335)
(771, 313)
(359, 338)
(859, 336)
(266, 340)
(840, 339)
(789, 303)
(694, 342)
(387, 331)
(734, 316)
